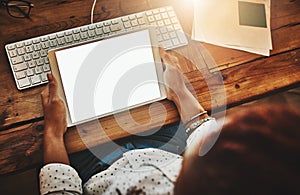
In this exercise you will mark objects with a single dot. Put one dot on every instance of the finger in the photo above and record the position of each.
(52, 86)
(168, 58)
(45, 95)
(162, 53)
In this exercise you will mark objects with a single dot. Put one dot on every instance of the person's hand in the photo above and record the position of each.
(187, 105)
(54, 109)
(173, 77)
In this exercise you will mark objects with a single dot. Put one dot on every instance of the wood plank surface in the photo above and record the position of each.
(246, 76)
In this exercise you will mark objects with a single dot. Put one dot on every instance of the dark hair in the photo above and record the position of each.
(258, 152)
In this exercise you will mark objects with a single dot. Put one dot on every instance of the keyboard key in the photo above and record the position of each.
(166, 36)
(61, 41)
(174, 20)
(177, 27)
(35, 79)
(38, 70)
(76, 31)
(167, 44)
(27, 43)
(36, 47)
(171, 13)
(36, 41)
(28, 49)
(76, 37)
(53, 43)
(68, 33)
(139, 15)
(107, 23)
(170, 28)
(24, 82)
(27, 57)
(125, 19)
(46, 60)
(17, 60)
(91, 33)
(127, 24)
(43, 53)
(181, 37)
(31, 64)
(68, 39)
(84, 35)
(115, 21)
(134, 23)
(148, 13)
(59, 35)
(160, 23)
(162, 9)
(141, 21)
(157, 17)
(44, 77)
(106, 30)
(151, 19)
(99, 31)
(46, 68)
(155, 11)
(11, 46)
(43, 39)
(45, 45)
(164, 15)
(40, 62)
(163, 30)
(92, 27)
(99, 25)
(12, 53)
(172, 34)
(29, 72)
(132, 17)
(20, 74)
(115, 28)
(20, 67)
(51, 37)
(167, 22)
(20, 44)
(35, 55)
(175, 41)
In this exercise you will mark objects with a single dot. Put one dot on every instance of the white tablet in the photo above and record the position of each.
(108, 76)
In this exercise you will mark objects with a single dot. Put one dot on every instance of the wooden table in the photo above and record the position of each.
(246, 76)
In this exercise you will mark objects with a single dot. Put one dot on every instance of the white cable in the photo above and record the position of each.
(92, 11)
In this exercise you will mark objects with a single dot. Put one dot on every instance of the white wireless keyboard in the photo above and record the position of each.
(28, 58)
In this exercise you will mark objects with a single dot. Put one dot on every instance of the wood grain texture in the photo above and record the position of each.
(245, 76)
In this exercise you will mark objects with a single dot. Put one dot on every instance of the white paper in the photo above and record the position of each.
(108, 75)
(217, 22)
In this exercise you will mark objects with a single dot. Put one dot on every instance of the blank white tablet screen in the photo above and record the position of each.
(108, 75)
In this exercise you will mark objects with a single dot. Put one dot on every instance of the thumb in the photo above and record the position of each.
(52, 86)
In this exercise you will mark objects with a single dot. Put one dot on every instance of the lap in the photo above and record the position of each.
(171, 138)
